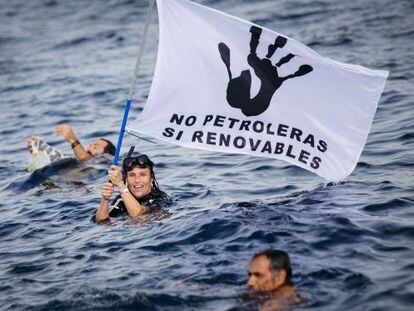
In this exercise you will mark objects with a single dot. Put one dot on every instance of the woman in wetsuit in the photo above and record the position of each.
(140, 195)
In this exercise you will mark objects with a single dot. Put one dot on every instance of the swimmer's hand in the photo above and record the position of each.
(114, 176)
(107, 190)
(67, 132)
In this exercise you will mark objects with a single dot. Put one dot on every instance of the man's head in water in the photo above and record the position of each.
(269, 271)
(100, 146)
(139, 175)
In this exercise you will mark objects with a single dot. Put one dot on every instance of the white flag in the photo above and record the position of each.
(227, 85)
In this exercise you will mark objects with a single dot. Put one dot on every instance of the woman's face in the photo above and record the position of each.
(139, 181)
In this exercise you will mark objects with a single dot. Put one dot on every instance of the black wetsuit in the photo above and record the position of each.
(153, 202)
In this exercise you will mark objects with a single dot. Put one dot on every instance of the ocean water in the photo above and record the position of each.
(351, 244)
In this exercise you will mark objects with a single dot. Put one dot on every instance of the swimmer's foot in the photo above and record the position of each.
(33, 145)
(42, 153)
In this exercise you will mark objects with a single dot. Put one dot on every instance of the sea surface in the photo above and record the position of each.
(351, 244)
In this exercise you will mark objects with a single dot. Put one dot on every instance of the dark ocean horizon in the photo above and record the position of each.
(351, 243)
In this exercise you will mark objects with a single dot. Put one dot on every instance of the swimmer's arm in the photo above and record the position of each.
(80, 153)
(132, 205)
(77, 148)
(103, 211)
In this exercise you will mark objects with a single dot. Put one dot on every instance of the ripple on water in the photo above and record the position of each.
(27, 267)
(380, 208)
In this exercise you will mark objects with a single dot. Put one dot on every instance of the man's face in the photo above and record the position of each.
(139, 181)
(96, 147)
(261, 277)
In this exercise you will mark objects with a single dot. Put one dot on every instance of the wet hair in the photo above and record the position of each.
(110, 147)
(278, 260)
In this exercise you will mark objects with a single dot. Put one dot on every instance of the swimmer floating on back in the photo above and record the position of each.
(45, 154)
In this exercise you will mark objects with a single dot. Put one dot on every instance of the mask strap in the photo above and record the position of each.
(130, 152)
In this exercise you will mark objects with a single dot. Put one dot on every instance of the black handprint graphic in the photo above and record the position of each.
(238, 89)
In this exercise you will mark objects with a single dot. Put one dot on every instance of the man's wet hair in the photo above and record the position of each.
(109, 148)
(278, 260)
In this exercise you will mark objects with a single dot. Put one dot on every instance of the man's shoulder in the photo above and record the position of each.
(155, 201)
(101, 158)
(117, 207)
(116, 201)
(161, 197)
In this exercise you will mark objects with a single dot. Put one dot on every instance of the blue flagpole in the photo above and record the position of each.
(121, 132)
(134, 79)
